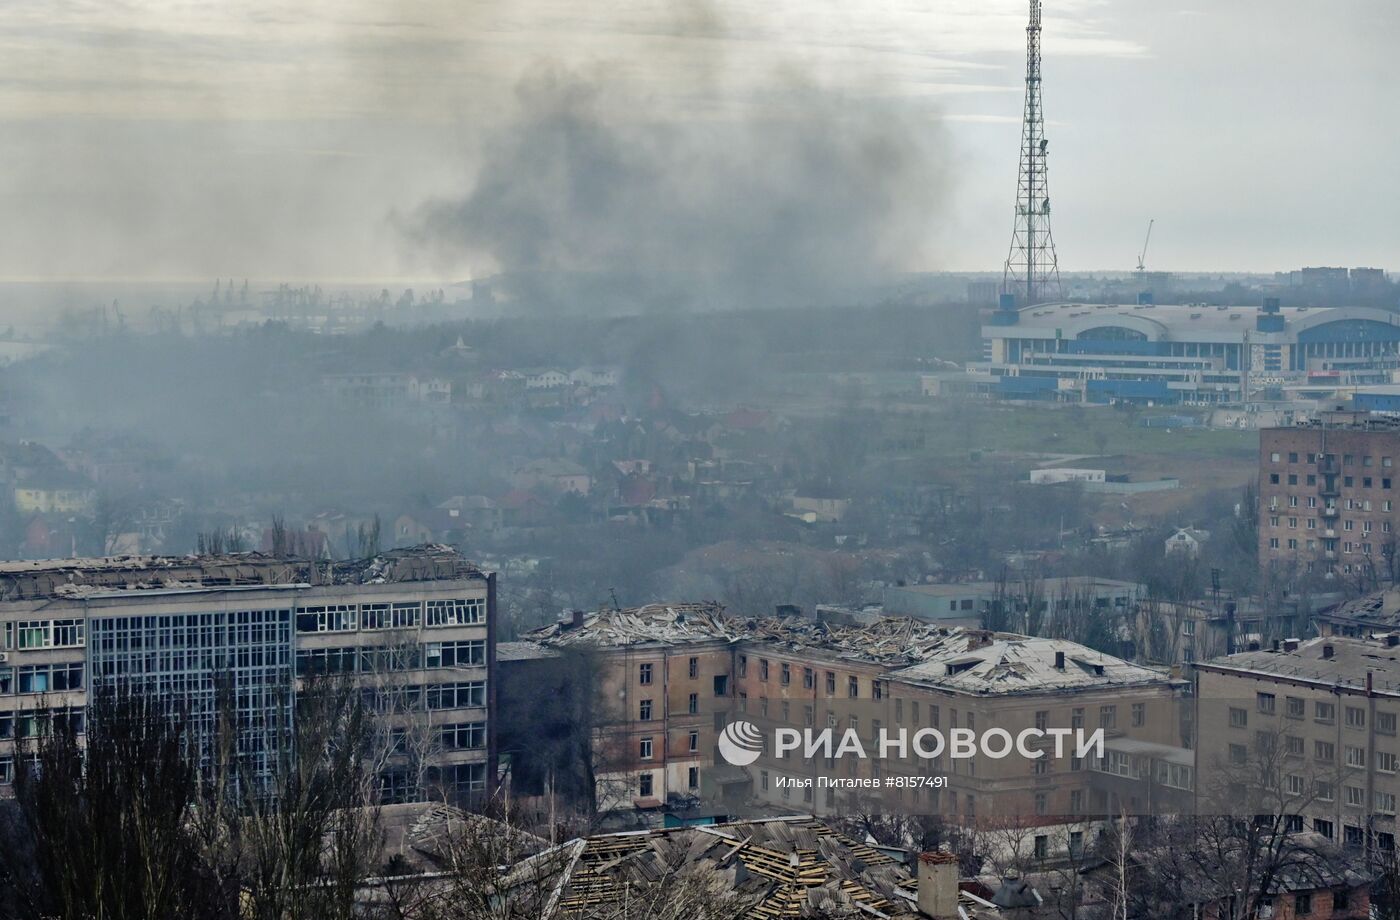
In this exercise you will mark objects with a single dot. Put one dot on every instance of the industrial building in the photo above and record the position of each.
(411, 627)
(1182, 354)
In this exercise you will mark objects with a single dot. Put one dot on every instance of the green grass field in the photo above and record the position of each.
(1019, 429)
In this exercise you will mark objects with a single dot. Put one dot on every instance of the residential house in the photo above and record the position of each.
(1186, 540)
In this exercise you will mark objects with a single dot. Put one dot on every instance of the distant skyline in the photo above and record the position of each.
(157, 139)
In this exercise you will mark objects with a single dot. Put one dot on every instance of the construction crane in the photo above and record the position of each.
(1142, 256)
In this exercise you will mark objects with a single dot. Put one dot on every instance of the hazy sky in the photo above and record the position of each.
(304, 139)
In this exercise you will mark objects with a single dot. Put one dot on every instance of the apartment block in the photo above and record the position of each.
(1306, 729)
(1328, 494)
(411, 627)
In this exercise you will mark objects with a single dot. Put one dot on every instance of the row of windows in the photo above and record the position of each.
(1329, 508)
(463, 736)
(1358, 547)
(399, 785)
(1323, 711)
(1347, 459)
(646, 747)
(1349, 482)
(878, 688)
(383, 659)
(1311, 524)
(1354, 756)
(43, 678)
(460, 695)
(30, 634)
(646, 783)
(32, 723)
(406, 615)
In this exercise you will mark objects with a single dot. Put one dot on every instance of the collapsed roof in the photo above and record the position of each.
(961, 658)
(50, 578)
(773, 868)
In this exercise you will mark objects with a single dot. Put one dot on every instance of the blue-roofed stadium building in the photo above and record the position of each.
(1181, 354)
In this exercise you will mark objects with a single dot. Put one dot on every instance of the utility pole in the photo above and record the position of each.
(1032, 271)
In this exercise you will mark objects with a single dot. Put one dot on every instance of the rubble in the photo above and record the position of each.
(54, 578)
(955, 657)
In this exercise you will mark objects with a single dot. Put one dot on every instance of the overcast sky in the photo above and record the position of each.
(302, 139)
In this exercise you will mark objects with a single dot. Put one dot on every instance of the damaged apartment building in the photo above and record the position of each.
(670, 677)
(410, 627)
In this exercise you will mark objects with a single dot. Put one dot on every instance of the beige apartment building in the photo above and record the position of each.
(412, 627)
(675, 675)
(1305, 729)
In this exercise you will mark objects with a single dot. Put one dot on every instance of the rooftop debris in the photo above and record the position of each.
(777, 868)
(52, 578)
(963, 658)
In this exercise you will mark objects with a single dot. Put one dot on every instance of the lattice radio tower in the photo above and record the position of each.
(1032, 272)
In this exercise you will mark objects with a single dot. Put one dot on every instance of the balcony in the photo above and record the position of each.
(1329, 533)
(1329, 511)
(1330, 555)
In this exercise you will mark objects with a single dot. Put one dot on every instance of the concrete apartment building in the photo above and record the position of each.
(675, 675)
(1327, 494)
(411, 626)
(1306, 729)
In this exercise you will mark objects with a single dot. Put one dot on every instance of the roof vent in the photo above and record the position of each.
(1328, 651)
(1059, 661)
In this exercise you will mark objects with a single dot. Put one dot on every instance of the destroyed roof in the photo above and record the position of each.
(958, 658)
(1331, 661)
(664, 624)
(523, 651)
(429, 835)
(773, 868)
(80, 577)
(1379, 608)
(1001, 663)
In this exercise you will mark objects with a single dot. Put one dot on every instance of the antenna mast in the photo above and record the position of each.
(1032, 271)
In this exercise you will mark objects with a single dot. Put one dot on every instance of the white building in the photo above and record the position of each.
(1160, 354)
(1065, 474)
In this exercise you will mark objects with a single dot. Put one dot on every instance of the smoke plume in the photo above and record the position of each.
(772, 190)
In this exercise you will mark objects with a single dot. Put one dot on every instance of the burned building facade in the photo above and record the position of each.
(237, 635)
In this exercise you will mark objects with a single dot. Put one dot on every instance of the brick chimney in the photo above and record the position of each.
(575, 618)
(938, 885)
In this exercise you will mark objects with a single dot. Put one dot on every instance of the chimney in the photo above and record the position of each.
(1059, 661)
(1290, 645)
(1392, 640)
(938, 885)
(1276, 645)
(1327, 651)
(576, 618)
